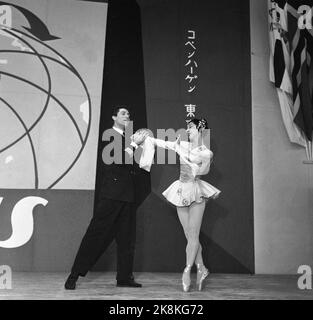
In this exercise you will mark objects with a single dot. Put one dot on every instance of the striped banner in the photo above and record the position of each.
(281, 67)
(291, 68)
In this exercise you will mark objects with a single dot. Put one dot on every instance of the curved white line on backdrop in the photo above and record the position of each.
(22, 222)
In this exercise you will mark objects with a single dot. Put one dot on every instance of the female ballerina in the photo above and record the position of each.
(189, 194)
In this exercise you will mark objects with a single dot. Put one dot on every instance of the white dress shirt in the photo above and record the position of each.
(133, 144)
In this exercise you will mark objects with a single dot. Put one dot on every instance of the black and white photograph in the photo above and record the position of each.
(156, 150)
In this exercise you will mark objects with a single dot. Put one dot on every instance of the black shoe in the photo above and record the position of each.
(128, 283)
(70, 283)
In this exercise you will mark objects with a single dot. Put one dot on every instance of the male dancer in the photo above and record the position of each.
(115, 215)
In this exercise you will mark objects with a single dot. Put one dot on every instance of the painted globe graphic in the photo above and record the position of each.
(45, 112)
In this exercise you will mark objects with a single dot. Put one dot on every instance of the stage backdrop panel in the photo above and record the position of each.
(51, 68)
(123, 83)
(223, 97)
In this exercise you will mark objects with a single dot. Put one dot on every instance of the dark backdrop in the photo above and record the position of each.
(123, 84)
(157, 94)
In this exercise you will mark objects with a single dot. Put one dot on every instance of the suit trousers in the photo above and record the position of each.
(112, 219)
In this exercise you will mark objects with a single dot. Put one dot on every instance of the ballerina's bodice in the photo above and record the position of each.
(186, 173)
(185, 169)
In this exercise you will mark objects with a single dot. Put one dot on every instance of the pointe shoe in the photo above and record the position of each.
(202, 273)
(186, 286)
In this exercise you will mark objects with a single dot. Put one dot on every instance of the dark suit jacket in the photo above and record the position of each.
(117, 178)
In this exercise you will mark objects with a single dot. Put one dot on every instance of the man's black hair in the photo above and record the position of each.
(117, 108)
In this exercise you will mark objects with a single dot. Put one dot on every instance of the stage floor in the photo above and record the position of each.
(156, 286)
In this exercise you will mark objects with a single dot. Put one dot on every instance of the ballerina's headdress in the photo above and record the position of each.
(202, 125)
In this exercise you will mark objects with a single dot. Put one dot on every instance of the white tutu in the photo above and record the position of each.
(183, 194)
(194, 162)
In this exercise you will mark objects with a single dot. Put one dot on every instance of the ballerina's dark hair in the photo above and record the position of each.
(199, 123)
